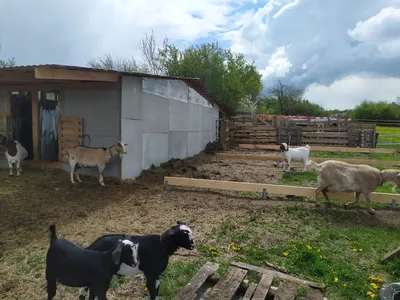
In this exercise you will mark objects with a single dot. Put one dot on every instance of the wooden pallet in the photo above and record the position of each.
(206, 285)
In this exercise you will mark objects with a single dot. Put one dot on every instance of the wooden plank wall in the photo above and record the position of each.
(70, 134)
(302, 132)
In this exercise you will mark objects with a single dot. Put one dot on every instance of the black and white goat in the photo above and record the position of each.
(15, 153)
(153, 254)
(73, 266)
(83, 156)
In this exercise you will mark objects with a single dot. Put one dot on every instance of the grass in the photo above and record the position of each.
(342, 257)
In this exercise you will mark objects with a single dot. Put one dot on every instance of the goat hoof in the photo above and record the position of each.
(371, 211)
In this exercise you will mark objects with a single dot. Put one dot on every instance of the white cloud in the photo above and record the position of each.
(381, 31)
(350, 91)
(278, 65)
(286, 7)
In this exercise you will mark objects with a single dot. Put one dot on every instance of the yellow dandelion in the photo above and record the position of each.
(238, 249)
(374, 285)
(344, 284)
(309, 247)
(361, 250)
(319, 250)
(213, 253)
(285, 254)
(354, 249)
(371, 294)
(336, 279)
(320, 257)
(145, 289)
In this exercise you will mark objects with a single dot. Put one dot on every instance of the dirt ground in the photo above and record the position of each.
(39, 197)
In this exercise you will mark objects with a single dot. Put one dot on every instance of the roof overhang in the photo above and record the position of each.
(59, 77)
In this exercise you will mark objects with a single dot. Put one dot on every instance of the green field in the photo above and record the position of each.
(388, 139)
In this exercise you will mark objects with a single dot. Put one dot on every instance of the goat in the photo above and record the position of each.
(337, 176)
(153, 254)
(15, 153)
(89, 157)
(300, 153)
(73, 266)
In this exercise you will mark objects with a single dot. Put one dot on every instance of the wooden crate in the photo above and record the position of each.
(207, 285)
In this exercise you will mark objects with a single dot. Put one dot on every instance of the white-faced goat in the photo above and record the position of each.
(73, 266)
(89, 157)
(337, 176)
(153, 254)
(15, 153)
(299, 153)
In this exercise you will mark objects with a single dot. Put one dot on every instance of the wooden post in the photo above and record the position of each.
(35, 124)
(373, 137)
(350, 135)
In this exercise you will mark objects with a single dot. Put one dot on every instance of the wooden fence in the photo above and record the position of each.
(340, 133)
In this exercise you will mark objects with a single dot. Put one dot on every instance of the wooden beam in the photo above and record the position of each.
(65, 74)
(273, 189)
(277, 274)
(395, 253)
(9, 76)
(321, 148)
(58, 86)
(44, 164)
(35, 125)
(370, 162)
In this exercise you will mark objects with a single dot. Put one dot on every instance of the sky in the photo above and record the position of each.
(341, 51)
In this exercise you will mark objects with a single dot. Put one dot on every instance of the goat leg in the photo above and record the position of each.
(101, 170)
(368, 197)
(72, 166)
(19, 168)
(153, 285)
(10, 167)
(51, 288)
(83, 292)
(357, 200)
(77, 176)
(394, 189)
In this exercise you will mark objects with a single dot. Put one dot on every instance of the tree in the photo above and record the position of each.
(226, 74)
(286, 95)
(382, 110)
(10, 62)
(151, 55)
(119, 64)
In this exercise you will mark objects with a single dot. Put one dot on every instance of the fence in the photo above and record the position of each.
(342, 133)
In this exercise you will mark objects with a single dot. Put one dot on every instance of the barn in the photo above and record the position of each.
(49, 108)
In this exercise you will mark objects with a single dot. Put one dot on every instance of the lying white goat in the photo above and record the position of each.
(83, 156)
(15, 153)
(299, 153)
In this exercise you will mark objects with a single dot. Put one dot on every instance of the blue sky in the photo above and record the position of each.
(340, 51)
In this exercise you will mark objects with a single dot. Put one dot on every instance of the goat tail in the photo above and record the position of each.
(313, 164)
(53, 235)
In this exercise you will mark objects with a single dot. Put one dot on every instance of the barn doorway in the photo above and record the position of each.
(21, 120)
(48, 125)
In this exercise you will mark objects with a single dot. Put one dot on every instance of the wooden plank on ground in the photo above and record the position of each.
(370, 162)
(277, 274)
(322, 148)
(227, 286)
(314, 294)
(286, 291)
(263, 287)
(250, 291)
(189, 291)
(273, 189)
(392, 255)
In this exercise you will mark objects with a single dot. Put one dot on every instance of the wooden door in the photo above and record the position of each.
(69, 134)
(5, 128)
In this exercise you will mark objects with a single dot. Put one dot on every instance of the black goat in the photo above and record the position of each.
(153, 254)
(73, 266)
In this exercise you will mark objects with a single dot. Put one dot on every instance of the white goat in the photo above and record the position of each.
(299, 153)
(15, 153)
(337, 176)
(82, 156)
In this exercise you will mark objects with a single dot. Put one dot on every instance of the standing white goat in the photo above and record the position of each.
(15, 153)
(82, 156)
(299, 153)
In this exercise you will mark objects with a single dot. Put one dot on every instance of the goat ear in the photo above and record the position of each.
(116, 254)
(126, 144)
